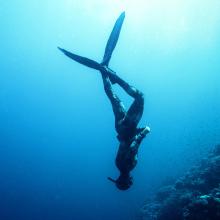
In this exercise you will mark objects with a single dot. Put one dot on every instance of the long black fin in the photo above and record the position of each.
(113, 39)
(82, 60)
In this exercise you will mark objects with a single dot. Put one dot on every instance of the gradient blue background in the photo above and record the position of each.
(57, 137)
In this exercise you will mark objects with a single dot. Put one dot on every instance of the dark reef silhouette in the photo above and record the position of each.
(195, 196)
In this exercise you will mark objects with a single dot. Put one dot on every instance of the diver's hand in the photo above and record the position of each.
(145, 131)
(138, 138)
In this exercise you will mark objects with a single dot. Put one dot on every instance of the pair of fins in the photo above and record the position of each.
(110, 46)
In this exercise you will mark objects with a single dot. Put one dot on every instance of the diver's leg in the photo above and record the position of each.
(135, 111)
(133, 92)
(117, 105)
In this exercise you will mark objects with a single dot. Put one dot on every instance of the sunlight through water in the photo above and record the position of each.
(170, 25)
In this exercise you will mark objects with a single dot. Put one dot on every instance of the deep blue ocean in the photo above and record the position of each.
(57, 137)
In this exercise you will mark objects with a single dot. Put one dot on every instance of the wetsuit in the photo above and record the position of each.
(129, 135)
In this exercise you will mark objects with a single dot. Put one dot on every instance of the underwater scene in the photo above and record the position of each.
(109, 110)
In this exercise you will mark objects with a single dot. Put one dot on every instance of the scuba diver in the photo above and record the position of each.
(129, 135)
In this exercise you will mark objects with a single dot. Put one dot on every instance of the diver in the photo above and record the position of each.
(129, 135)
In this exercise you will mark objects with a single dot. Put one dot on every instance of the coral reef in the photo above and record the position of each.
(195, 196)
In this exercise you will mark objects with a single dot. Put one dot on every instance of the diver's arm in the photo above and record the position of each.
(138, 138)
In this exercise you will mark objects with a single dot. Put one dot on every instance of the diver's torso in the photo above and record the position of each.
(126, 159)
(126, 130)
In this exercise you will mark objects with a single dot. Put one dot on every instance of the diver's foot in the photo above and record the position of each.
(110, 73)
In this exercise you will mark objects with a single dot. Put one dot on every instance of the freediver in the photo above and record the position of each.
(126, 122)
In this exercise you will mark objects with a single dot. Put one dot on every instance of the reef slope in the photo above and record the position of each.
(195, 196)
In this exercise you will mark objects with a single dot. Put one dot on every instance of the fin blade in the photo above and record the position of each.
(82, 60)
(113, 39)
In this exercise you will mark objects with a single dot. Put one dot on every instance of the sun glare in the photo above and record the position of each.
(167, 24)
(133, 7)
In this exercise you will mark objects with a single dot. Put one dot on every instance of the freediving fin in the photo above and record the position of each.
(113, 39)
(82, 60)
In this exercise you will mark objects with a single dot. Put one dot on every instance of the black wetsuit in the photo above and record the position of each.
(129, 135)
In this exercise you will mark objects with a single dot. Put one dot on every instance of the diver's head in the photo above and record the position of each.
(123, 182)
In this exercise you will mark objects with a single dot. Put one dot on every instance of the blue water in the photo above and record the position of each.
(58, 141)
